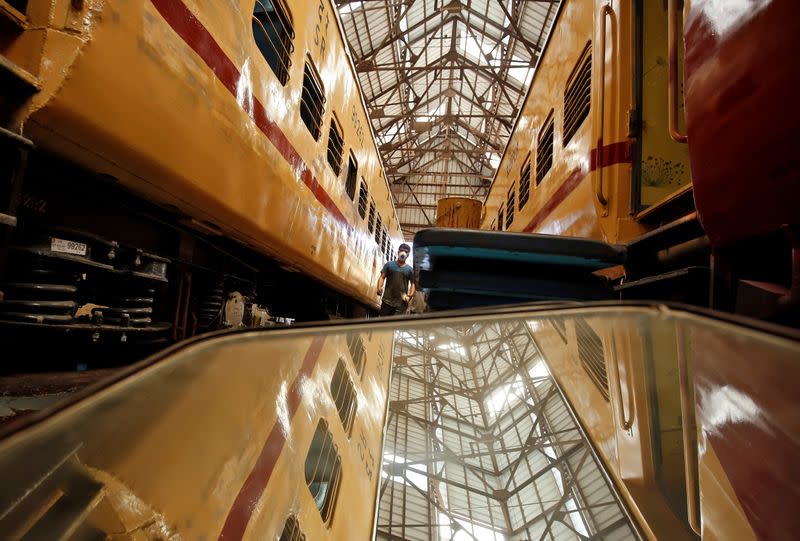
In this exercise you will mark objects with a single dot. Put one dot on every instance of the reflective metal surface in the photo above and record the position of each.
(562, 421)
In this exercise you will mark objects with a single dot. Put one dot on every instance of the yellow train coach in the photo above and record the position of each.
(177, 166)
(591, 154)
(603, 149)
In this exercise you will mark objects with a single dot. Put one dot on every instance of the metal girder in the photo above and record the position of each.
(418, 54)
(420, 173)
(450, 443)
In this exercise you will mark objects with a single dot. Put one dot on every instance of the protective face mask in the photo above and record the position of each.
(402, 256)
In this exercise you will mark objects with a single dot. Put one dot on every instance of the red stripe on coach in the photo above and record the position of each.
(197, 36)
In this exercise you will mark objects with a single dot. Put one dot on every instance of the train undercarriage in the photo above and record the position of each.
(90, 268)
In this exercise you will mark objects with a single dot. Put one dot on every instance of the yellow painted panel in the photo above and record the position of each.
(132, 99)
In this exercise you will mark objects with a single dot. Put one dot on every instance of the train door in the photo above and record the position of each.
(661, 174)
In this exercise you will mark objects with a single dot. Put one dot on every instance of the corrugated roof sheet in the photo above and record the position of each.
(443, 80)
(480, 444)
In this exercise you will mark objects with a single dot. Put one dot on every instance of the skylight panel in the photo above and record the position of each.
(469, 531)
(352, 6)
(411, 477)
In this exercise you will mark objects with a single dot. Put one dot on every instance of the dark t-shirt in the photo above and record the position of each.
(397, 280)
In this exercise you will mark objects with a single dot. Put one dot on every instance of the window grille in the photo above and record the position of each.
(323, 470)
(335, 147)
(273, 32)
(577, 95)
(312, 101)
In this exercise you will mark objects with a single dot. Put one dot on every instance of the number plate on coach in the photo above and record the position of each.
(67, 246)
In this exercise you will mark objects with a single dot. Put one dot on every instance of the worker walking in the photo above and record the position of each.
(398, 276)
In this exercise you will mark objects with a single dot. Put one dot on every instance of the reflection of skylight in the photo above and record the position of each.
(572, 507)
(505, 397)
(453, 346)
(539, 370)
(411, 477)
(470, 532)
(352, 6)
(408, 337)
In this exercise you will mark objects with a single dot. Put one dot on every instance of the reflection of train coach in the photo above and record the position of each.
(188, 165)
(284, 448)
(696, 438)
(597, 151)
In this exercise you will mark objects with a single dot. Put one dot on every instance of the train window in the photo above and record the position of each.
(577, 95)
(344, 396)
(385, 243)
(510, 205)
(335, 147)
(312, 101)
(371, 220)
(323, 470)
(352, 177)
(363, 195)
(291, 530)
(525, 182)
(357, 352)
(590, 353)
(544, 149)
(273, 32)
(378, 227)
(500, 219)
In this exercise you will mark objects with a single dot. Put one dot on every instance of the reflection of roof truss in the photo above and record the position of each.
(480, 444)
(443, 80)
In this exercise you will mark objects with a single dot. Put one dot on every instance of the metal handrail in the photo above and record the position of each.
(672, 87)
(605, 12)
